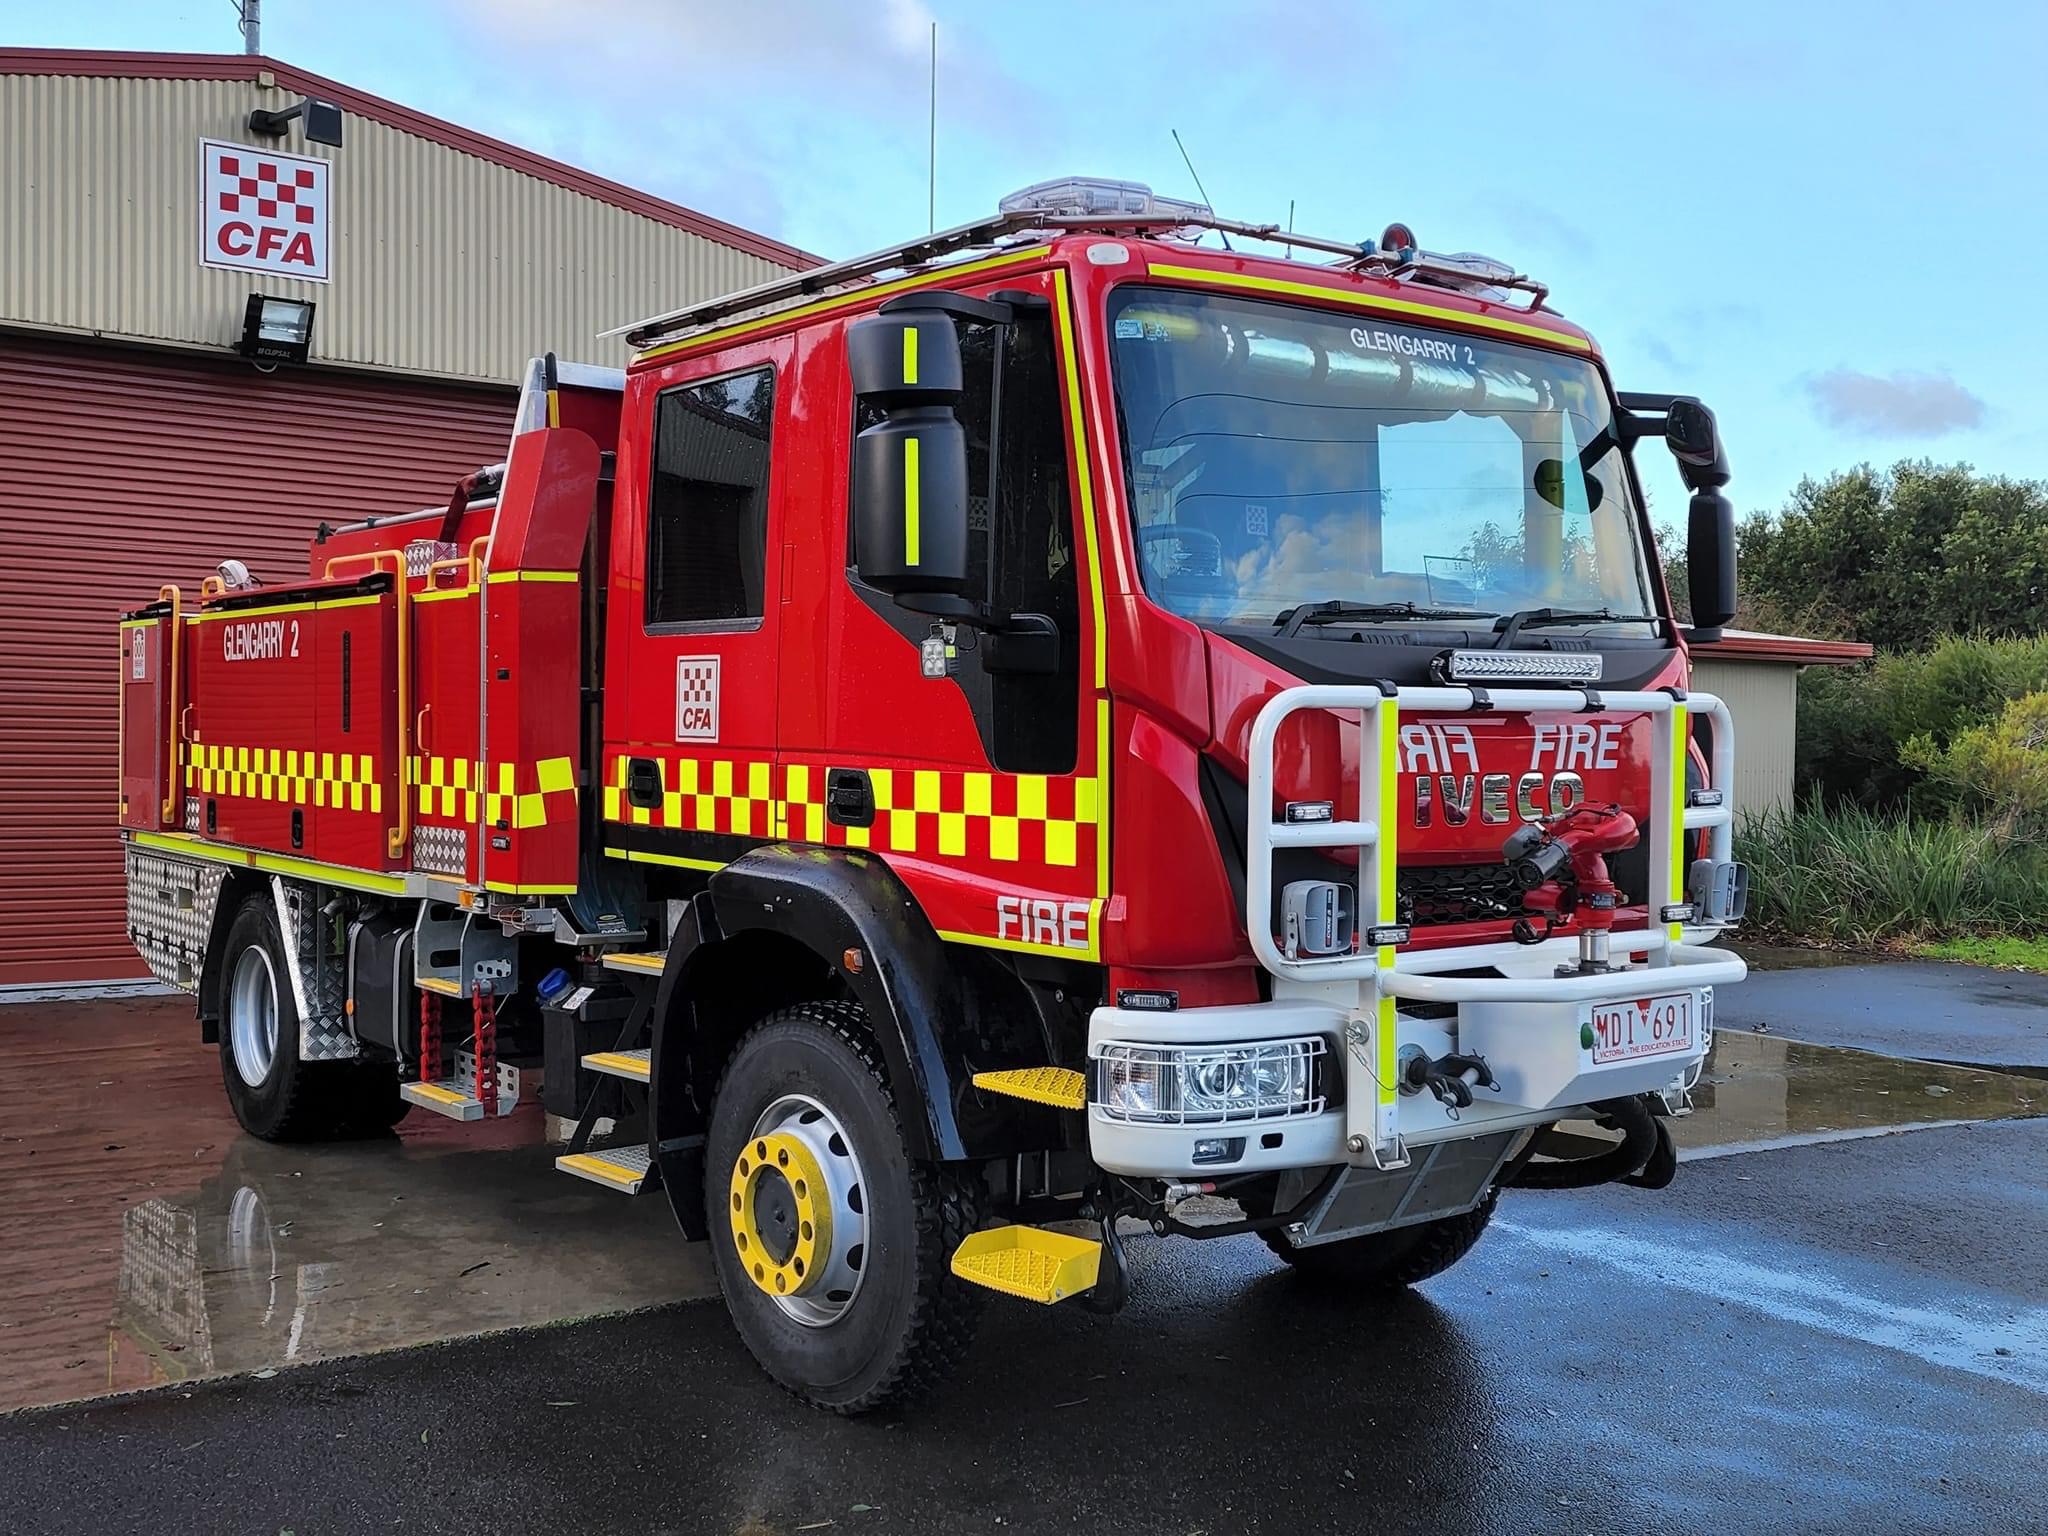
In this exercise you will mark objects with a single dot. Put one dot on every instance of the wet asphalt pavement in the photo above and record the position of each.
(1844, 1337)
(1927, 1009)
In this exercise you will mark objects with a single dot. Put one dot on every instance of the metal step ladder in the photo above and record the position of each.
(621, 1073)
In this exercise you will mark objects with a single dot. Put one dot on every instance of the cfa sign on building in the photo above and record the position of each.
(262, 212)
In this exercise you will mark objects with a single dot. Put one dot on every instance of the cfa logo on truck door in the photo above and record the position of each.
(696, 698)
(260, 211)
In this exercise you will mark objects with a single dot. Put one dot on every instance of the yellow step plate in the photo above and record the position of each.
(1061, 1087)
(647, 963)
(628, 1064)
(1029, 1262)
(620, 1168)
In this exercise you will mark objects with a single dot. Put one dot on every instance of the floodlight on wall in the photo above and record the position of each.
(276, 330)
(323, 121)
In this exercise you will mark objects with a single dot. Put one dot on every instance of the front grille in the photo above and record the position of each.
(1425, 894)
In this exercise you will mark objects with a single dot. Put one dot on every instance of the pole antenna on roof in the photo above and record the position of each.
(932, 148)
(1189, 162)
(1290, 228)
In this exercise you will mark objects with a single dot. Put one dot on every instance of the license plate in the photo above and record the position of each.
(1649, 1026)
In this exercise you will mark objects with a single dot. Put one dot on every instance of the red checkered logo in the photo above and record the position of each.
(696, 698)
(264, 212)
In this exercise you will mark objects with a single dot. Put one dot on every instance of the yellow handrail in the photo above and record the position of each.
(399, 839)
(174, 776)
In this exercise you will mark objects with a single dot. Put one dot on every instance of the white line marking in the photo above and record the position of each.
(1962, 1337)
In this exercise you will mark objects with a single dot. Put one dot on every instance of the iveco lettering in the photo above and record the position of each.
(960, 748)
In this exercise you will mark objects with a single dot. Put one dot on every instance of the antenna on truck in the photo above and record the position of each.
(1200, 190)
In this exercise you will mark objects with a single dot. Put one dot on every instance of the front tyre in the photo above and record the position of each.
(832, 1245)
(1389, 1260)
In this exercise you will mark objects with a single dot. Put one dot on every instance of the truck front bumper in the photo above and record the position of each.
(1533, 1028)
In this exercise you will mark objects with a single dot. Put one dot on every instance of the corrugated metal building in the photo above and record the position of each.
(138, 213)
(1757, 676)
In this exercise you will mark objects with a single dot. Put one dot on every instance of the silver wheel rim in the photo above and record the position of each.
(839, 1277)
(252, 1015)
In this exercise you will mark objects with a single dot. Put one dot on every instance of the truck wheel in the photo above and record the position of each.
(832, 1245)
(274, 1094)
(1403, 1256)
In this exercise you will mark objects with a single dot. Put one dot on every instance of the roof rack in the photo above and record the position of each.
(936, 251)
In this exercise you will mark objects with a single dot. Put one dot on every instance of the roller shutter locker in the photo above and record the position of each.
(122, 469)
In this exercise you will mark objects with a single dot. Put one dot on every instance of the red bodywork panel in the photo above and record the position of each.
(721, 736)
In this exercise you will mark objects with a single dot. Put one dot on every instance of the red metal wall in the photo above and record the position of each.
(121, 469)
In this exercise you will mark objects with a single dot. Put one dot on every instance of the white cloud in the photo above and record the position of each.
(1905, 404)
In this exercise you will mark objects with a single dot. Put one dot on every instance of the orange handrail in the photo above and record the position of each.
(174, 774)
(399, 840)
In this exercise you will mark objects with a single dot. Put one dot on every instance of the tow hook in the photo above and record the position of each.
(1451, 1077)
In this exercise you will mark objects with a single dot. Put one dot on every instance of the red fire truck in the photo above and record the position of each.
(956, 751)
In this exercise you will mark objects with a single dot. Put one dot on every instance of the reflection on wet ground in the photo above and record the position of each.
(145, 1239)
(1762, 1090)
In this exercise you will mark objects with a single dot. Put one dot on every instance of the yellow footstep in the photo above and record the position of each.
(1029, 1262)
(1061, 1087)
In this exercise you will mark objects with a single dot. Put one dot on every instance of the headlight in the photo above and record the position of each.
(1178, 1084)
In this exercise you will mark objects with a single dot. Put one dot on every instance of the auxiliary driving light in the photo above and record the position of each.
(1192, 1084)
(1520, 666)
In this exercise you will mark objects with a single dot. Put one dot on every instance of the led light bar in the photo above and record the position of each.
(1524, 666)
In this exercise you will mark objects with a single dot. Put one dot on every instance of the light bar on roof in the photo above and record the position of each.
(1524, 666)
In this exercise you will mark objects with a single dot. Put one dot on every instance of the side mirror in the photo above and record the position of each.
(910, 468)
(1710, 562)
(1695, 441)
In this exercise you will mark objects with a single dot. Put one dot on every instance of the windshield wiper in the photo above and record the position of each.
(1290, 621)
(1511, 625)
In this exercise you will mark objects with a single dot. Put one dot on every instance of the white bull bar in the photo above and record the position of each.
(1378, 974)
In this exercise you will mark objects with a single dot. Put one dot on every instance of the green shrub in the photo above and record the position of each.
(1998, 770)
(1845, 874)
(1854, 722)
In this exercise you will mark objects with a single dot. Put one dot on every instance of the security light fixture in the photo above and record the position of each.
(276, 330)
(323, 121)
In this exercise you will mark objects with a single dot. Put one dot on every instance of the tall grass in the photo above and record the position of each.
(1842, 873)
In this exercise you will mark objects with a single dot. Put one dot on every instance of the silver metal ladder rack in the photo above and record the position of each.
(992, 235)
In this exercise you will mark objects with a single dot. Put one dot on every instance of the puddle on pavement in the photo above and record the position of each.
(1762, 1089)
(144, 1239)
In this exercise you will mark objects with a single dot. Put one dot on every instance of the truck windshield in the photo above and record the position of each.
(1278, 455)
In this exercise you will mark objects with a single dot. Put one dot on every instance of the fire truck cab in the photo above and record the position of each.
(956, 751)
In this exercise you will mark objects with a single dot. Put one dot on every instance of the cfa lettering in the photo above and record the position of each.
(1060, 924)
(693, 720)
(239, 239)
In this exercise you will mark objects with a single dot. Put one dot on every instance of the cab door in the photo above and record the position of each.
(692, 632)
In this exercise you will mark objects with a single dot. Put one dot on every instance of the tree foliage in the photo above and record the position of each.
(1902, 558)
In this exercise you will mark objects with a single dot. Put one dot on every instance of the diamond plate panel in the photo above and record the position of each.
(191, 813)
(171, 904)
(441, 850)
(322, 959)
(421, 553)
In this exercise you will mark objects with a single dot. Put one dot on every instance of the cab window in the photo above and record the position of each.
(707, 513)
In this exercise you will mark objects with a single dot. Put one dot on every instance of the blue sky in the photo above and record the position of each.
(1827, 220)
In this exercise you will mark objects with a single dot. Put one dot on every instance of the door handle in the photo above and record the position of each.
(643, 783)
(849, 798)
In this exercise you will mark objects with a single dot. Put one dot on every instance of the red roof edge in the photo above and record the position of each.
(1795, 650)
(115, 65)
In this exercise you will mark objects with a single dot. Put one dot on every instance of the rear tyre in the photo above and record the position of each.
(274, 1094)
(1389, 1260)
(832, 1245)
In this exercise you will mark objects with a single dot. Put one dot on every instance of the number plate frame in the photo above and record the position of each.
(1640, 1029)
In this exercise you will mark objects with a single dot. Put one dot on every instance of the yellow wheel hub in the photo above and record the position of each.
(781, 1214)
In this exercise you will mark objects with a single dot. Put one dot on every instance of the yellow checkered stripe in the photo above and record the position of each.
(1007, 818)
(337, 780)
(514, 794)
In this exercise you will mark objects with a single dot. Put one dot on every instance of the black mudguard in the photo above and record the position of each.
(939, 1013)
